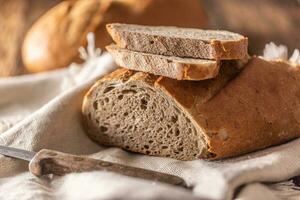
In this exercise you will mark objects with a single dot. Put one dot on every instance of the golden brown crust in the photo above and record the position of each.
(191, 93)
(229, 50)
(200, 71)
(257, 109)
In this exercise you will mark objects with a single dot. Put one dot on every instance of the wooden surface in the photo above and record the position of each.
(57, 163)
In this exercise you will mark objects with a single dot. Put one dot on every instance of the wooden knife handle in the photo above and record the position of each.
(58, 163)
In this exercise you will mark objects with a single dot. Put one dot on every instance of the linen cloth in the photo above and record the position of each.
(44, 111)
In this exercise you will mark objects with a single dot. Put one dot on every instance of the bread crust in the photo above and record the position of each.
(172, 45)
(258, 109)
(172, 67)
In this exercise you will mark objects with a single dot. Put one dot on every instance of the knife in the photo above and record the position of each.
(54, 162)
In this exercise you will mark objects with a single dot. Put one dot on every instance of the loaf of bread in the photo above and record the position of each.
(216, 118)
(168, 66)
(181, 42)
(54, 40)
(16, 17)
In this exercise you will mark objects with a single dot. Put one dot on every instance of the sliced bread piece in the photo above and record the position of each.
(187, 120)
(172, 67)
(181, 42)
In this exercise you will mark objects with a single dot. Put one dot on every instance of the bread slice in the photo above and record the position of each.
(172, 67)
(187, 120)
(181, 42)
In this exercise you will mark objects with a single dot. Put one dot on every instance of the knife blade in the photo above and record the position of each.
(54, 162)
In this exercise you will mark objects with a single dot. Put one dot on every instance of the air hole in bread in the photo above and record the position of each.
(120, 97)
(176, 131)
(108, 89)
(144, 104)
(95, 105)
(103, 129)
(180, 148)
(174, 119)
(128, 91)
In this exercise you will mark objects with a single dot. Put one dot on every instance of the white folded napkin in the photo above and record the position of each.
(43, 111)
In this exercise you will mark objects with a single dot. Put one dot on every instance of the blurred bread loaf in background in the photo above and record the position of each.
(53, 41)
(16, 17)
